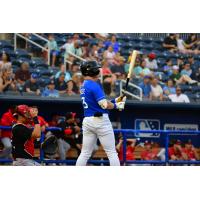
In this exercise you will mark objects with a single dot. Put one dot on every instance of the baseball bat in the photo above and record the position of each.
(132, 64)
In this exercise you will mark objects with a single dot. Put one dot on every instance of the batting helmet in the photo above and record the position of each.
(24, 111)
(90, 68)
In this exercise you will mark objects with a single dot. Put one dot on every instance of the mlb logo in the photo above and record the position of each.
(147, 124)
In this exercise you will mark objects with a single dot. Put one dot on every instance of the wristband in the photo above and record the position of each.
(35, 120)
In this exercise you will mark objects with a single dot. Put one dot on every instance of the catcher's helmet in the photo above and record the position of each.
(90, 68)
(24, 111)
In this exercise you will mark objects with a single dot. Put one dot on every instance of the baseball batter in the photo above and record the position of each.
(96, 123)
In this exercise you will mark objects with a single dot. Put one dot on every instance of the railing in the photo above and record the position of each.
(122, 91)
(124, 133)
(34, 43)
(72, 54)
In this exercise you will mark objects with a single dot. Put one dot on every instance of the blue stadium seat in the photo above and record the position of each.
(146, 39)
(186, 88)
(42, 65)
(21, 53)
(145, 51)
(46, 72)
(149, 46)
(37, 40)
(8, 51)
(6, 44)
(158, 40)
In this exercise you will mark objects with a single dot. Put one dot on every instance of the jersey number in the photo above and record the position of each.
(84, 103)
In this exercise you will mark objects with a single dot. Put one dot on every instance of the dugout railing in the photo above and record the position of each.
(126, 133)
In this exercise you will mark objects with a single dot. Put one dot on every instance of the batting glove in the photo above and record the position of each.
(120, 105)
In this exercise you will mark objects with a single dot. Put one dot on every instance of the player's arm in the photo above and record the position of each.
(37, 129)
(119, 145)
(105, 104)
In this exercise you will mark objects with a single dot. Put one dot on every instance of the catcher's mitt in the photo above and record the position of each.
(50, 145)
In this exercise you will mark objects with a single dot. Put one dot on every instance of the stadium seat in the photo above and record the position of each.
(5, 44)
(22, 53)
(147, 40)
(10, 52)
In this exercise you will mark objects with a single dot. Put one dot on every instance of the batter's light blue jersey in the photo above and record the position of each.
(91, 93)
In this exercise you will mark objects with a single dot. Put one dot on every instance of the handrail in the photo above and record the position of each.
(74, 55)
(124, 161)
(32, 42)
(39, 36)
(122, 91)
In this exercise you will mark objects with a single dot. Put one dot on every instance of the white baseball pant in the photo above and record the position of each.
(101, 128)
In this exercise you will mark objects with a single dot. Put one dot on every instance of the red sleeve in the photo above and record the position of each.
(6, 120)
(143, 155)
(42, 121)
(170, 152)
(68, 131)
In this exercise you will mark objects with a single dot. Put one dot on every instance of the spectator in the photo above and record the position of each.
(94, 55)
(119, 70)
(151, 62)
(112, 42)
(180, 61)
(101, 48)
(7, 80)
(178, 79)
(73, 86)
(148, 153)
(169, 88)
(109, 55)
(156, 90)
(190, 151)
(130, 148)
(179, 97)
(105, 68)
(31, 86)
(167, 69)
(194, 65)
(7, 119)
(170, 42)
(176, 152)
(52, 45)
(63, 70)
(73, 47)
(192, 42)
(145, 71)
(42, 121)
(22, 75)
(146, 87)
(86, 49)
(186, 69)
(101, 36)
(50, 90)
(60, 84)
(75, 37)
(5, 62)
(184, 47)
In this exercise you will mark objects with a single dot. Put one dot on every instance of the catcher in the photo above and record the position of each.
(23, 135)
